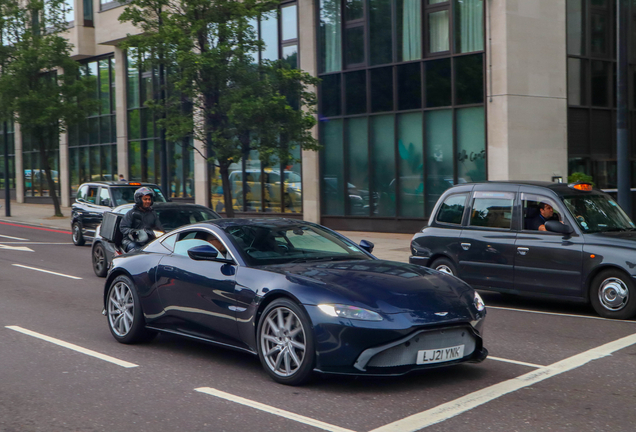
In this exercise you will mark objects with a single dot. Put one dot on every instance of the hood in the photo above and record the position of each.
(625, 239)
(385, 286)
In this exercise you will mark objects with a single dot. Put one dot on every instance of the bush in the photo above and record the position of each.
(580, 177)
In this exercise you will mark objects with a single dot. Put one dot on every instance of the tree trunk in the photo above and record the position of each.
(49, 178)
(227, 193)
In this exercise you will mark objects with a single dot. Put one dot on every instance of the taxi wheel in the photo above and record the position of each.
(78, 237)
(613, 295)
(444, 265)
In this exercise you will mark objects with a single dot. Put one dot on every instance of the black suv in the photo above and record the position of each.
(486, 234)
(95, 198)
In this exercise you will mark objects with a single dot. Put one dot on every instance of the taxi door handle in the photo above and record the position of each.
(522, 250)
(465, 246)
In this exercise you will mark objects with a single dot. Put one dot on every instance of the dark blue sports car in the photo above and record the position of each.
(300, 296)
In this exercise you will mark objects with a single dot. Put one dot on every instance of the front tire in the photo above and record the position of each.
(613, 295)
(100, 263)
(286, 343)
(125, 316)
(78, 237)
(444, 265)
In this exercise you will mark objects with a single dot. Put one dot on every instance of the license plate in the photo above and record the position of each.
(440, 355)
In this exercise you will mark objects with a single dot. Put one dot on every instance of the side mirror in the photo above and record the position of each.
(106, 202)
(558, 227)
(367, 245)
(203, 253)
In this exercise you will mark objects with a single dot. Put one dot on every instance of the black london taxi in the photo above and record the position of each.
(553, 240)
(93, 199)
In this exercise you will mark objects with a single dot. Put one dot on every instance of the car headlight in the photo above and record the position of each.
(157, 233)
(351, 312)
(479, 303)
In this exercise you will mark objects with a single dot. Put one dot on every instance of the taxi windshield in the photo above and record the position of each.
(597, 213)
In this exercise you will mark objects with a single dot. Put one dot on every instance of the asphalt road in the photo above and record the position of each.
(553, 367)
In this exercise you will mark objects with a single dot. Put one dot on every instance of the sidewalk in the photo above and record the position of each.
(388, 246)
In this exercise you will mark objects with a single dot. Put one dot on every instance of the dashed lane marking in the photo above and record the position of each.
(73, 347)
(561, 314)
(13, 238)
(269, 409)
(514, 362)
(46, 271)
(466, 403)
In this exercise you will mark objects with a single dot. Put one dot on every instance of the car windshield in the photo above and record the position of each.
(175, 217)
(597, 213)
(263, 244)
(126, 194)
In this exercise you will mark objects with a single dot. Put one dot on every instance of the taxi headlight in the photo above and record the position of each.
(351, 312)
(479, 303)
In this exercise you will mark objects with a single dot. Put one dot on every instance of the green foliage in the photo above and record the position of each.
(214, 91)
(577, 177)
(39, 85)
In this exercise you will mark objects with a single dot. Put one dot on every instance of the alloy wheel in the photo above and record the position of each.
(444, 269)
(121, 309)
(98, 259)
(283, 341)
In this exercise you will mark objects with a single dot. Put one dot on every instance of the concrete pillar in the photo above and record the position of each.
(201, 176)
(19, 165)
(310, 159)
(64, 171)
(121, 117)
(526, 89)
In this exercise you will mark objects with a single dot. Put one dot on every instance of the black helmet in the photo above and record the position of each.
(142, 192)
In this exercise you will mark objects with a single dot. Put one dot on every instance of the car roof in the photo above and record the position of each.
(264, 222)
(118, 183)
(167, 205)
(558, 188)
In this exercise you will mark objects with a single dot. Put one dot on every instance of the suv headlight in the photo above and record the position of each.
(351, 312)
(478, 302)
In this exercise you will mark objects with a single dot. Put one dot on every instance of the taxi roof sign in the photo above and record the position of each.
(586, 187)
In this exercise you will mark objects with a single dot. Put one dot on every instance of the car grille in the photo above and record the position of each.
(406, 352)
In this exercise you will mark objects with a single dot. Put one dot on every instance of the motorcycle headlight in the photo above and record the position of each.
(351, 312)
(479, 303)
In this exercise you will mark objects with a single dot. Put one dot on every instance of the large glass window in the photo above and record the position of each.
(93, 143)
(8, 141)
(420, 64)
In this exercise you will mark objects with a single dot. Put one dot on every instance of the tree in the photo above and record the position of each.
(215, 91)
(39, 85)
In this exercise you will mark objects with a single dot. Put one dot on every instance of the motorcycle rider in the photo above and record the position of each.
(138, 224)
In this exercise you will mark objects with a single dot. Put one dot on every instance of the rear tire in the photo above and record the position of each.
(613, 295)
(286, 343)
(78, 237)
(444, 265)
(125, 316)
(100, 263)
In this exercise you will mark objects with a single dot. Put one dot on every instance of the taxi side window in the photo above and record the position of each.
(532, 205)
(452, 209)
(492, 209)
(91, 197)
(82, 193)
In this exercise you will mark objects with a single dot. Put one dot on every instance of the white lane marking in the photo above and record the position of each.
(45, 271)
(36, 243)
(453, 408)
(16, 248)
(13, 238)
(269, 409)
(70, 346)
(561, 314)
(514, 362)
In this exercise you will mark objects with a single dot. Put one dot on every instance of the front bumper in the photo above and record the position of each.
(419, 260)
(389, 347)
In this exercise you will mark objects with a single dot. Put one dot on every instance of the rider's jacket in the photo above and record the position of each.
(137, 219)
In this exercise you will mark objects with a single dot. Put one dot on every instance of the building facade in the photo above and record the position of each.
(415, 96)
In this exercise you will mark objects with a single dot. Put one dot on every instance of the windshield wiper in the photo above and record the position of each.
(615, 229)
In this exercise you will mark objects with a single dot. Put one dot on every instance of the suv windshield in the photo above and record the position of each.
(126, 194)
(597, 213)
(263, 244)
